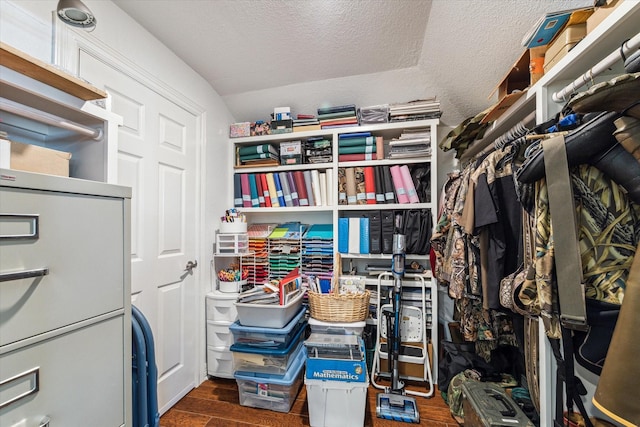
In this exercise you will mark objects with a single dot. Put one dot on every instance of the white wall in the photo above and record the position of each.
(28, 26)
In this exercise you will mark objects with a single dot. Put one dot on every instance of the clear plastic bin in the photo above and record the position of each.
(277, 338)
(248, 359)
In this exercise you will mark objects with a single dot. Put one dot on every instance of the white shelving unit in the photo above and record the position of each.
(622, 24)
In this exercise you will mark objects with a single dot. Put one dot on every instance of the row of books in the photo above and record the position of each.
(421, 109)
(257, 154)
(359, 146)
(411, 143)
(339, 116)
(371, 231)
(283, 189)
(370, 185)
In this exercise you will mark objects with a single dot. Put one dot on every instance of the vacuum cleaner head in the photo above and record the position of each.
(397, 407)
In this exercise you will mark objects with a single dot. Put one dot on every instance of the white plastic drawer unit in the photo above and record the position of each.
(76, 384)
(60, 262)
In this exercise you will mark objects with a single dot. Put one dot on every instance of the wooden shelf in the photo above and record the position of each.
(48, 74)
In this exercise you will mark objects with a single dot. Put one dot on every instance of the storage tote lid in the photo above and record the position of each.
(270, 351)
(288, 378)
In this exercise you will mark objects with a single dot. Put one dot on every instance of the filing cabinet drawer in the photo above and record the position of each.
(79, 377)
(79, 243)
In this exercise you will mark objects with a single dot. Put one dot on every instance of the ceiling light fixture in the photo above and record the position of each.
(75, 13)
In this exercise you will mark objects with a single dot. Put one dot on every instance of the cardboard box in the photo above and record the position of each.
(238, 130)
(33, 158)
(291, 153)
(601, 13)
(562, 44)
(410, 361)
(260, 128)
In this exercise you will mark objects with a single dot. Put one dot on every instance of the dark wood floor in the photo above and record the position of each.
(216, 403)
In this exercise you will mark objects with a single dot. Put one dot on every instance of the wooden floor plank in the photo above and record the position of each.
(215, 403)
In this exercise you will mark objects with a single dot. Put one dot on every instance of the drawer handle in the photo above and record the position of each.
(24, 274)
(35, 385)
(35, 228)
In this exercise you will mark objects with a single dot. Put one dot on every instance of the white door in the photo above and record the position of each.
(156, 157)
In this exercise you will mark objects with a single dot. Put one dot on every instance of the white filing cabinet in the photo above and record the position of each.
(65, 311)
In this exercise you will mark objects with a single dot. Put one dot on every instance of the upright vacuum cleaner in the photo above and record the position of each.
(394, 404)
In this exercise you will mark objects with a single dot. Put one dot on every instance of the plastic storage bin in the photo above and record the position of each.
(221, 307)
(232, 243)
(266, 360)
(268, 315)
(267, 391)
(336, 403)
(219, 362)
(277, 338)
(343, 328)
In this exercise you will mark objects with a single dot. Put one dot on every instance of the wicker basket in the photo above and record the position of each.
(339, 307)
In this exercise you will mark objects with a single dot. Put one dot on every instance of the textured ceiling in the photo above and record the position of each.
(259, 54)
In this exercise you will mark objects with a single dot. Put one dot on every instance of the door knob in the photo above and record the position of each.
(191, 265)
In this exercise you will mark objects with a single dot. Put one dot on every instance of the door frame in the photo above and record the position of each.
(67, 45)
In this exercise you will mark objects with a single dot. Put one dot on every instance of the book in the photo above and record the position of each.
(293, 189)
(350, 180)
(379, 148)
(273, 193)
(398, 184)
(246, 190)
(379, 184)
(350, 142)
(336, 109)
(315, 186)
(258, 156)
(330, 187)
(256, 149)
(361, 192)
(309, 185)
(355, 157)
(265, 189)
(343, 235)
(408, 184)
(357, 149)
(339, 122)
(343, 136)
(260, 191)
(288, 285)
(279, 193)
(370, 185)
(286, 192)
(342, 186)
(389, 190)
(301, 187)
(306, 128)
(237, 191)
(354, 235)
(323, 188)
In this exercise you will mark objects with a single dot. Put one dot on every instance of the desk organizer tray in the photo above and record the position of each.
(266, 361)
(268, 315)
(274, 338)
(266, 391)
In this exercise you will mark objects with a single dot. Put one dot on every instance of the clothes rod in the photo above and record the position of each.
(627, 48)
(49, 119)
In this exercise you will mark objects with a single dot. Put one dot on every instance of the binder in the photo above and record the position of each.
(398, 184)
(273, 194)
(301, 187)
(237, 191)
(364, 235)
(253, 188)
(357, 149)
(246, 191)
(286, 192)
(389, 192)
(387, 228)
(361, 192)
(342, 186)
(330, 187)
(350, 179)
(343, 235)
(379, 148)
(356, 141)
(309, 185)
(295, 199)
(354, 235)
(379, 183)
(375, 232)
(260, 190)
(265, 190)
(323, 188)
(370, 185)
(315, 186)
(408, 184)
(279, 193)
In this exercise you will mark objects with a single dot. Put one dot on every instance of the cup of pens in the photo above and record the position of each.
(233, 222)
(232, 280)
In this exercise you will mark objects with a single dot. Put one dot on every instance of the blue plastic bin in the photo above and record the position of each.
(275, 338)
